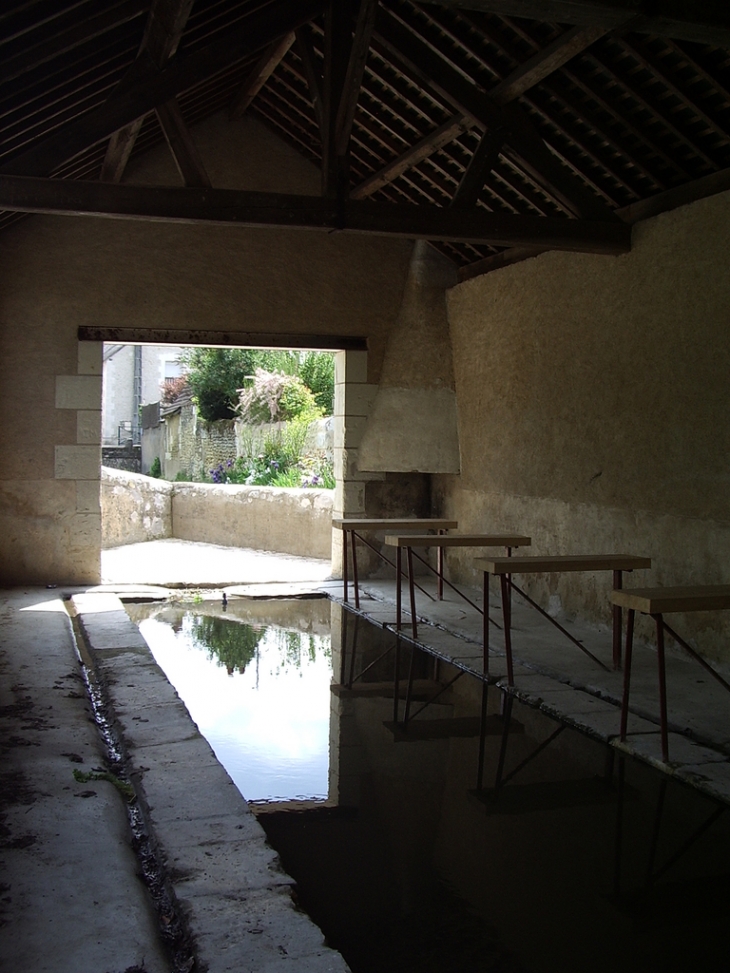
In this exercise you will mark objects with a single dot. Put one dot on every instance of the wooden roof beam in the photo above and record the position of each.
(354, 75)
(480, 165)
(154, 88)
(184, 150)
(424, 148)
(523, 143)
(83, 30)
(705, 23)
(312, 75)
(702, 188)
(337, 49)
(261, 73)
(233, 207)
(519, 81)
(162, 33)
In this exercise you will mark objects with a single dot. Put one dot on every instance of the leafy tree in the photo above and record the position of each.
(317, 371)
(231, 644)
(216, 374)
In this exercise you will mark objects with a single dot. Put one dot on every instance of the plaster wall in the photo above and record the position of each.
(593, 400)
(58, 273)
(117, 394)
(262, 518)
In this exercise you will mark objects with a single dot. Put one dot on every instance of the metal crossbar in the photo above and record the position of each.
(557, 625)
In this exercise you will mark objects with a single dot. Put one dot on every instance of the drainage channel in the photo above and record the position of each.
(172, 928)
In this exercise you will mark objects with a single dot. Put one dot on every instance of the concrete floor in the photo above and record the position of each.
(70, 897)
(172, 563)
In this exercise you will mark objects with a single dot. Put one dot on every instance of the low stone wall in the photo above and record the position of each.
(134, 508)
(139, 508)
(127, 457)
(289, 521)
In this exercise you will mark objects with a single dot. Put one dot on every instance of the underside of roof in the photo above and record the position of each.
(493, 128)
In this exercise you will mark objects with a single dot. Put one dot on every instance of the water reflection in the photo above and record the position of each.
(421, 875)
(581, 862)
(256, 681)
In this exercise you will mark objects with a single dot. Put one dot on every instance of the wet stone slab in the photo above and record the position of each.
(230, 884)
(259, 932)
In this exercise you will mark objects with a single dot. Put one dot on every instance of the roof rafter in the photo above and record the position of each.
(705, 23)
(354, 74)
(717, 182)
(154, 88)
(524, 77)
(183, 148)
(523, 142)
(81, 32)
(163, 30)
(265, 67)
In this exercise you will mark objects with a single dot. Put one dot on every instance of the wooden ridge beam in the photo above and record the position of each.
(234, 207)
(154, 88)
(705, 23)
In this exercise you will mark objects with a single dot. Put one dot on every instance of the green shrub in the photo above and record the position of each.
(156, 468)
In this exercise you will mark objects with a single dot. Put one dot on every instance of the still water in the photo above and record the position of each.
(257, 682)
(585, 861)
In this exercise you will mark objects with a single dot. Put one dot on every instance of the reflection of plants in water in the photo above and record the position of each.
(298, 647)
(232, 644)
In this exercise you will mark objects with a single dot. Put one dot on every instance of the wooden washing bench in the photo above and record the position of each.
(657, 602)
(353, 527)
(440, 542)
(505, 567)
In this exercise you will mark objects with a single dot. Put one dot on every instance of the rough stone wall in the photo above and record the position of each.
(202, 445)
(59, 273)
(134, 508)
(593, 400)
(126, 457)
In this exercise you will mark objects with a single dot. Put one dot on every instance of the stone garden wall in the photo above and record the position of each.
(138, 508)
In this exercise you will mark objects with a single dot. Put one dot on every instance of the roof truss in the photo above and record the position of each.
(493, 136)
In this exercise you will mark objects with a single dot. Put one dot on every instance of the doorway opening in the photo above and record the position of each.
(154, 364)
